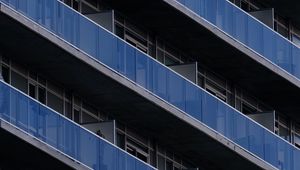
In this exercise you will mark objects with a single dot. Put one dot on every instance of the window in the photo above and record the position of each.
(42, 94)
(32, 90)
(136, 41)
(296, 39)
(296, 135)
(18, 81)
(119, 31)
(87, 118)
(5, 74)
(245, 6)
(248, 109)
(55, 102)
(68, 110)
(215, 90)
(120, 140)
(282, 124)
(137, 150)
(284, 132)
(76, 117)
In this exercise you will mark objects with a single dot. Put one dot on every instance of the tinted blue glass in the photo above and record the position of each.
(130, 163)
(268, 44)
(141, 69)
(121, 56)
(121, 160)
(284, 155)
(41, 126)
(160, 80)
(221, 117)
(211, 10)
(108, 155)
(240, 130)
(89, 147)
(150, 74)
(193, 100)
(176, 90)
(70, 137)
(228, 24)
(33, 109)
(4, 102)
(22, 6)
(295, 61)
(229, 123)
(296, 156)
(283, 54)
(88, 39)
(256, 139)
(51, 128)
(255, 35)
(210, 110)
(140, 166)
(130, 61)
(22, 111)
(14, 108)
(270, 148)
(68, 25)
(49, 14)
(106, 48)
(240, 27)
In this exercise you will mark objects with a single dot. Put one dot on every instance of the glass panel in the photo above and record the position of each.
(19, 81)
(55, 102)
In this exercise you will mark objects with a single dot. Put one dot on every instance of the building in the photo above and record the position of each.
(140, 85)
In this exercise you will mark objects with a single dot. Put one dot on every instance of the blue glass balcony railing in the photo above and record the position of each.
(159, 80)
(63, 134)
(249, 31)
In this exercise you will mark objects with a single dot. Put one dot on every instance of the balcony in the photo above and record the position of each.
(142, 70)
(62, 134)
(249, 31)
(254, 73)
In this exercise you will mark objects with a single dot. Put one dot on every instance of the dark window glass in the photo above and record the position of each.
(244, 6)
(68, 2)
(42, 95)
(92, 2)
(5, 74)
(5, 59)
(76, 115)
(86, 118)
(141, 157)
(85, 9)
(55, 102)
(119, 31)
(161, 163)
(121, 140)
(246, 109)
(152, 158)
(33, 75)
(75, 5)
(131, 150)
(283, 31)
(19, 82)
(160, 56)
(169, 165)
(68, 110)
(284, 133)
(32, 90)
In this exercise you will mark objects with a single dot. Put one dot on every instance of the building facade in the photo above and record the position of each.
(161, 84)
